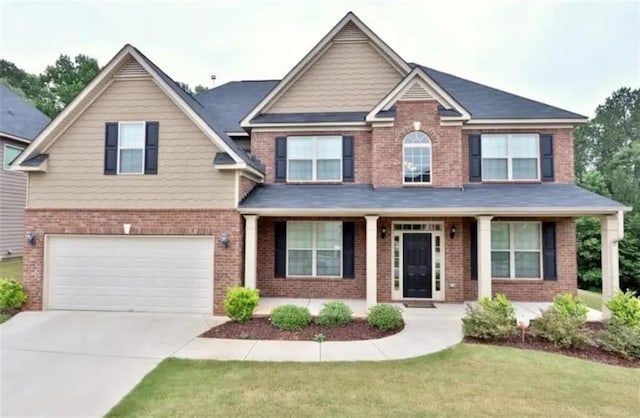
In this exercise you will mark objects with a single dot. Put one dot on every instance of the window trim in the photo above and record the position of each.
(429, 146)
(144, 146)
(314, 160)
(512, 251)
(314, 250)
(4, 155)
(510, 158)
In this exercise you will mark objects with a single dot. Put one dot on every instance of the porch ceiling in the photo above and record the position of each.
(470, 200)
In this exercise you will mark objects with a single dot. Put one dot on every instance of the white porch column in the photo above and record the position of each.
(484, 256)
(612, 231)
(250, 251)
(372, 259)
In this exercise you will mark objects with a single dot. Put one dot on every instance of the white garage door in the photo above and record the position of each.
(130, 273)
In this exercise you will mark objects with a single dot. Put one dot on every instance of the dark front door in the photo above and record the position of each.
(416, 271)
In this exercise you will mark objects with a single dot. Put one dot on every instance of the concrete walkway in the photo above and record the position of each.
(426, 331)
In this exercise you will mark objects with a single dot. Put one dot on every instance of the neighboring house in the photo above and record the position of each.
(368, 177)
(20, 122)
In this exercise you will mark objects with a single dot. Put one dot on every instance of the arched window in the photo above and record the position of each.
(416, 158)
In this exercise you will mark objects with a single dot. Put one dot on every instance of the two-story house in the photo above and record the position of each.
(358, 175)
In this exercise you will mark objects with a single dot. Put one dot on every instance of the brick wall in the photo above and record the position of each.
(263, 146)
(446, 146)
(316, 287)
(534, 290)
(246, 185)
(562, 150)
(228, 268)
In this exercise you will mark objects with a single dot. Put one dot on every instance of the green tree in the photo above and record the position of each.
(56, 87)
(607, 153)
(200, 88)
(64, 80)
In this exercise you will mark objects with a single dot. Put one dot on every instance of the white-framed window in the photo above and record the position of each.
(416, 158)
(516, 250)
(314, 248)
(131, 141)
(314, 158)
(510, 157)
(11, 152)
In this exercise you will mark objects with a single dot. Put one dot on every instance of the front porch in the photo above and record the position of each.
(437, 245)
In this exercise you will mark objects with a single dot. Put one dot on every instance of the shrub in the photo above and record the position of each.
(558, 327)
(334, 314)
(12, 294)
(625, 308)
(290, 317)
(385, 317)
(620, 338)
(569, 305)
(490, 319)
(240, 302)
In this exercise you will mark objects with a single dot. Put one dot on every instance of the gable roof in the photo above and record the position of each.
(230, 102)
(200, 115)
(351, 20)
(206, 116)
(18, 118)
(484, 102)
(426, 87)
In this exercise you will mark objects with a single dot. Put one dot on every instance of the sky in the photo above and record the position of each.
(572, 54)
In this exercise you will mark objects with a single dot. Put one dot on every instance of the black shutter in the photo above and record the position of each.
(546, 157)
(549, 251)
(348, 246)
(475, 158)
(111, 148)
(280, 263)
(347, 158)
(281, 159)
(151, 148)
(473, 233)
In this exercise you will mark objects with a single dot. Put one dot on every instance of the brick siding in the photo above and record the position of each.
(562, 150)
(309, 287)
(263, 146)
(228, 269)
(446, 146)
(246, 185)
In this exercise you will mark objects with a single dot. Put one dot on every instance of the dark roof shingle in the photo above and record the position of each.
(470, 196)
(18, 117)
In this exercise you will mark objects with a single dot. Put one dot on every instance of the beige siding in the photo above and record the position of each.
(13, 188)
(186, 177)
(349, 76)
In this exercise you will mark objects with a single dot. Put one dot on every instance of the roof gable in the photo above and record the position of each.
(18, 118)
(417, 85)
(350, 46)
(130, 62)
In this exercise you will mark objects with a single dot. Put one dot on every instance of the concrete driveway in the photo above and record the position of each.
(61, 363)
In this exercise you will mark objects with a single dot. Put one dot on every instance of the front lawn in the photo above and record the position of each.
(591, 299)
(467, 380)
(11, 268)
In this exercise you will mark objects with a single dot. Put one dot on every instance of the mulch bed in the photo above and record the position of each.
(260, 328)
(586, 352)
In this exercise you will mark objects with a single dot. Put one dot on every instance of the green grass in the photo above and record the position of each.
(4, 317)
(467, 380)
(11, 268)
(591, 299)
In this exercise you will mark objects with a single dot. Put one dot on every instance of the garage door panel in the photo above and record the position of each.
(130, 273)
